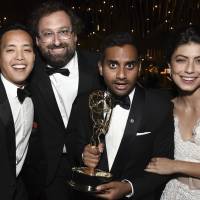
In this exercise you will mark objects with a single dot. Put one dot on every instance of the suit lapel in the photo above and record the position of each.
(5, 114)
(43, 84)
(135, 115)
(132, 125)
(7, 119)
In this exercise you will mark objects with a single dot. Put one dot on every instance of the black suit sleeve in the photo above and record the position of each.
(163, 146)
(79, 129)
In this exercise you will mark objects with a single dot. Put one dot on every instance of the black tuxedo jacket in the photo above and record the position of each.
(52, 132)
(7, 148)
(148, 133)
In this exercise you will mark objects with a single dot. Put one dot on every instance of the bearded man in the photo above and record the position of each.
(61, 74)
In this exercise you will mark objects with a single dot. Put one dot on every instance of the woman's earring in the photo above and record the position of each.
(169, 70)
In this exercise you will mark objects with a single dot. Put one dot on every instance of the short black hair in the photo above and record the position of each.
(182, 36)
(16, 26)
(49, 7)
(117, 39)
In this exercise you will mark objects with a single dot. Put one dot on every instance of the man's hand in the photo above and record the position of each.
(91, 155)
(114, 190)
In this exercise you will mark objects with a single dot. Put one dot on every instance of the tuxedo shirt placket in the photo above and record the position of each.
(116, 131)
(59, 99)
(65, 89)
(23, 127)
(23, 119)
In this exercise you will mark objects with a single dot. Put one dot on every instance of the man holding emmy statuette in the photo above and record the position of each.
(135, 125)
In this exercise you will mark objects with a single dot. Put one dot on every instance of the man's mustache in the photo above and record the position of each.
(53, 46)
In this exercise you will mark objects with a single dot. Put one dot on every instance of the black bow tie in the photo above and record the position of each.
(124, 102)
(52, 70)
(22, 94)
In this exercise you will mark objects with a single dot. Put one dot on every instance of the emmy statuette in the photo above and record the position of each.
(84, 178)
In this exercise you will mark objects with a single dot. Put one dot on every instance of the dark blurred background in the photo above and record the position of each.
(151, 21)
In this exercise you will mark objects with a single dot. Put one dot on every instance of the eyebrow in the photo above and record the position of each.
(186, 56)
(13, 45)
(28, 45)
(128, 62)
(132, 62)
(61, 28)
(112, 61)
(180, 56)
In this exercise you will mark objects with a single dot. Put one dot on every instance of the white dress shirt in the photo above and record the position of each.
(116, 130)
(23, 121)
(115, 133)
(65, 89)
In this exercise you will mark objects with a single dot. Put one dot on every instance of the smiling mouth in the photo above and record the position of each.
(188, 78)
(57, 50)
(19, 66)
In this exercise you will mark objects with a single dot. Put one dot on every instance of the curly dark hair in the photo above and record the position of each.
(49, 7)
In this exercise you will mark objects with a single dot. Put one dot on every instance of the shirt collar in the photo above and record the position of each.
(131, 94)
(11, 88)
(72, 63)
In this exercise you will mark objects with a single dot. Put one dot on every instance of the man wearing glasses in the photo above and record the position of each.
(61, 74)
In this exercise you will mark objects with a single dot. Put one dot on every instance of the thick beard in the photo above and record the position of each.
(58, 61)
